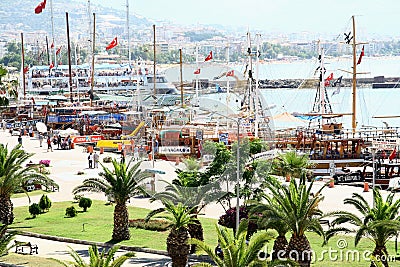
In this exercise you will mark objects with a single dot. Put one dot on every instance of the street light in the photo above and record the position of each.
(237, 164)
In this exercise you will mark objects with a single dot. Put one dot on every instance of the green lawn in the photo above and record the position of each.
(31, 194)
(98, 220)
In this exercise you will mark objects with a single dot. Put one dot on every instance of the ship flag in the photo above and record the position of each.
(52, 45)
(51, 65)
(209, 57)
(328, 79)
(58, 50)
(39, 8)
(230, 73)
(361, 56)
(337, 83)
(348, 38)
(113, 44)
(197, 71)
(393, 154)
(26, 69)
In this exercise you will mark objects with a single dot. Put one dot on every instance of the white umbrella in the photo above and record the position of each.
(41, 127)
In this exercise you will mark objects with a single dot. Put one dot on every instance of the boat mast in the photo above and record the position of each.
(181, 75)
(250, 74)
(154, 59)
(197, 76)
(322, 83)
(93, 49)
(69, 59)
(128, 34)
(258, 37)
(353, 121)
(23, 64)
(52, 33)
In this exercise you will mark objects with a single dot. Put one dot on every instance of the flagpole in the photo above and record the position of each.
(52, 33)
(258, 37)
(154, 62)
(23, 63)
(181, 76)
(47, 49)
(354, 91)
(93, 49)
(197, 76)
(69, 59)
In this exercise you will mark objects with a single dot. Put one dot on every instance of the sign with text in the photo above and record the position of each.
(385, 143)
(87, 139)
(174, 150)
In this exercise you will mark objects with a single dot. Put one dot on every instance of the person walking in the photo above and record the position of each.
(90, 158)
(96, 160)
(40, 139)
(49, 146)
(136, 153)
(20, 140)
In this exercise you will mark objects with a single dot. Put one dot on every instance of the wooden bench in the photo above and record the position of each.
(19, 247)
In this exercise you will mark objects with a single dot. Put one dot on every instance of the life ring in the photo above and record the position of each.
(187, 141)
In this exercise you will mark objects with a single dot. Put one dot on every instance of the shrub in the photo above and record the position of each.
(229, 219)
(44, 203)
(34, 210)
(151, 225)
(85, 203)
(45, 162)
(77, 197)
(70, 211)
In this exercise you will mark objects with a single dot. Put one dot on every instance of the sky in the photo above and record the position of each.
(286, 16)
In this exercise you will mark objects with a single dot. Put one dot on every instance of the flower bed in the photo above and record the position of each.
(45, 162)
(151, 225)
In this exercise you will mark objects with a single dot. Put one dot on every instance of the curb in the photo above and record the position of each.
(107, 245)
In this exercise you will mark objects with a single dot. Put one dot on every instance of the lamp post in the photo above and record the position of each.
(237, 165)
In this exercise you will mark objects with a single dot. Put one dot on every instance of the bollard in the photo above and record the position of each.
(366, 187)
(332, 183)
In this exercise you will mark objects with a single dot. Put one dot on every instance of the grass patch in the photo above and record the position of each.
(97, 224)
(29, 260)
(151, 225)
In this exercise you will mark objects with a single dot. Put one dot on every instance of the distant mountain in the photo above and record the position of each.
(19, 16)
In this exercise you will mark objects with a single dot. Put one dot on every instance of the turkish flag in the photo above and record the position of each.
(51, 65)
(113, 44)
(58, 50)
(26, 69)
(40, 7)
(209, 57)
(361, 56)
(196, 71)
(393, 154)
(230, 73)
(52, 45)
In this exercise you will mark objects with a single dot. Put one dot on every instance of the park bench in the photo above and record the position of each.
(19, 247)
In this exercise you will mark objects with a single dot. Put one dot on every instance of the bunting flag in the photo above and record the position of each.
(337, 83)
(58, 50)
(26, 69)
(113, 44)
(361, 56)
(393, 154)
(196, 71)
(230, 73)
(39, 8)
(209, 57)
(348, 38)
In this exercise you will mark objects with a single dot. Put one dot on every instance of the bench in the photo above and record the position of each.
(19, 247)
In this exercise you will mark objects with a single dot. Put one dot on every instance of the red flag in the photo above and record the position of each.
(196, 71)
(52, 45)
(328, 79)
(361, 55)
(113, 44)
(230, 73)
(33, 100)
(40, 7)
(51, 65)
(393, 154)
(58, 50)
(209, 57)
(26, 69)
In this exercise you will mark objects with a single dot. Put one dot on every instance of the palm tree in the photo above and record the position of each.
(236, 252)
(291, 164)
(122, 183)
(15, 175)
(177, 241)
(98, 259)
(378, 223)
(266, 222)
(294, 206)
(5, 239)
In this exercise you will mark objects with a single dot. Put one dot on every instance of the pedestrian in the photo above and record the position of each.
(141, 152)
(40, 139)
(58, 141)
(20, 140)
(69, 142)
(30, 131)
(90, 158)
(136, 153)
(122, 156)
(49, 146)
(96, 160)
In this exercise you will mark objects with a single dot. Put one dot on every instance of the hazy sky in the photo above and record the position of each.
(372, 16)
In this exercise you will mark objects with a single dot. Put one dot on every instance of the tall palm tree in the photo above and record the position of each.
(177, 241)
(14, 175)
(98, 259)
(291, 164)
(122, 183)
(378, 223)
(5, 239)
(236, 252)
(294, 206)
(266, 222)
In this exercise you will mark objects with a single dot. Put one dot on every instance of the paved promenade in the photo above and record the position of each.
(66, 163)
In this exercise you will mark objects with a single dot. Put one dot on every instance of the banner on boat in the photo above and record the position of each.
(174, 150)
(87, 139)
(385, 143)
